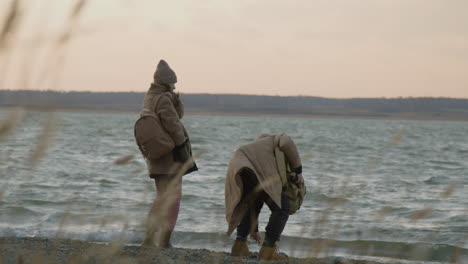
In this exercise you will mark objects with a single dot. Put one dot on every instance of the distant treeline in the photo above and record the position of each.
(227, 103)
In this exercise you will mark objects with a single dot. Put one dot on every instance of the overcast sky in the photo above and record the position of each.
(330, 48)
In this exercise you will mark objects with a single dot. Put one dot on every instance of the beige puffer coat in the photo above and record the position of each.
(170, 110)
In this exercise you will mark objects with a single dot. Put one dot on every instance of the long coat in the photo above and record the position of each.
(170, 110)
(259, 157)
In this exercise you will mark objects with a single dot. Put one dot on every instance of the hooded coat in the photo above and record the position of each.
(170, 111)
(259, 157)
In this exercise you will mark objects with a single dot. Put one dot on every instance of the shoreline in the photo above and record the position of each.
(412, 116)
(43, 250)
(403, 116)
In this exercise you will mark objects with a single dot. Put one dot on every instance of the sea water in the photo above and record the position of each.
(386, 190)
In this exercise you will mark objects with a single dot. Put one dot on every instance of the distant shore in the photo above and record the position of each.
(397, 116)
(42, 250)
(399, 108)
(401, 116)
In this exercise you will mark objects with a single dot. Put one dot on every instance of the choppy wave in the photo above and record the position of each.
(18, 212)
(436, 180)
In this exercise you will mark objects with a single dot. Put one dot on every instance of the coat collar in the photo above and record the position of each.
(158, 88)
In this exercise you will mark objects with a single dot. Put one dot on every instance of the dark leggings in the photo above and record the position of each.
(254, 201)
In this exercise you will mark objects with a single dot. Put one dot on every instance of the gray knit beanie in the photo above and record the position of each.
(164, 74)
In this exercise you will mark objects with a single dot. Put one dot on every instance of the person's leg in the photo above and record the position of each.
(249, 222)
(278, 218)
(253, 202)
(164, 211)
(151, 219)
(171, 194)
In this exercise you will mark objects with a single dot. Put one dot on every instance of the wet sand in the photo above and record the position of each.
(41, 250)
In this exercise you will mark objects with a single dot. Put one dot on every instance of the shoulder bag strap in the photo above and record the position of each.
(280, 160)
(152, 111)
(156, 100)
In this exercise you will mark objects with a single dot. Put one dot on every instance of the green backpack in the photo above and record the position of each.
(294, 192)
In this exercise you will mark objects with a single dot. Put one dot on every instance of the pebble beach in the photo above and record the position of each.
(41, 250)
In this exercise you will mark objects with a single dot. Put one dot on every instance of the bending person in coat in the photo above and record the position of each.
(252, 180)
(167, 171)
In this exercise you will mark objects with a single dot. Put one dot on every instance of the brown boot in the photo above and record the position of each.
(240, 248)
(165, 239)
(269, 253)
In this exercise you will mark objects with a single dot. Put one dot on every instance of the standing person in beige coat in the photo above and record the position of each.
(167, 171)
(252, 180)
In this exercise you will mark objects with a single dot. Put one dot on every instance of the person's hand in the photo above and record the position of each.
(180, 153)
(176, 98)
(298, 179)
(256, 237)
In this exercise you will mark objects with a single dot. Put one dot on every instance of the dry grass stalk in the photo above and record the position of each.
(398, 137)
(57, 57)
(9, 24)
(457, 254)
(149, 188)
(124, 159)
(64, 220)
(30, 56)
(44, 140)
(136, 172)
(10, 123)
(77, 9)
(307, 157)
(379, 158)
(295, 244)
(117, 245)
(219, 258)
(448, 191)
(322, 220)
(2, 193)
(383, 212)
(319, 247)
(423, 213)
(71, 24)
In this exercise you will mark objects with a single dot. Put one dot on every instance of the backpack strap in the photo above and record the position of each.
(280, 160)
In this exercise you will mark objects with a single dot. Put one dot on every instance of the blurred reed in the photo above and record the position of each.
(449, 190)
(124, 159)
(9, 27)
(8, 126)
(45, 140)
(57, 55)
